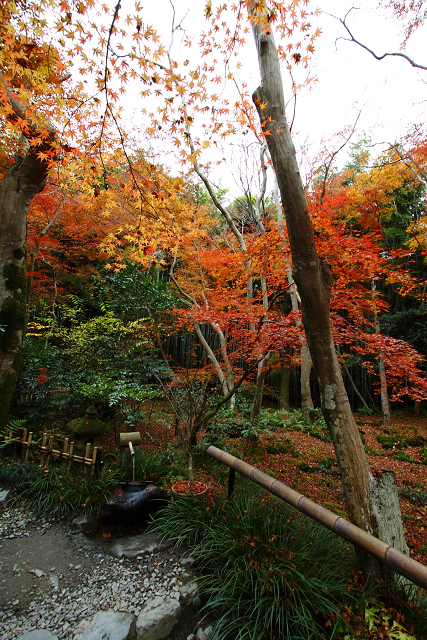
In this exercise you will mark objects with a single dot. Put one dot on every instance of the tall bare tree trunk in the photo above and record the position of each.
(385, 402)
(259, 391)
(314, 281)
(306, 399)
(285, 377)
(17, 189)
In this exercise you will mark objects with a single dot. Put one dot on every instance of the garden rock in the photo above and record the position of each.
(39, 634)
(189, 593)
(157, 619)
(3, 495)
(135, 546)
(106, 625)
(203, 634)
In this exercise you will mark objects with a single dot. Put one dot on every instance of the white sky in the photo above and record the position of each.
(390, 93)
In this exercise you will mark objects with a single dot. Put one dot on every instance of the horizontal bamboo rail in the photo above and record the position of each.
(385, 553)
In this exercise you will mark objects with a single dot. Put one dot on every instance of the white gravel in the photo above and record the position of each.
(121, 585)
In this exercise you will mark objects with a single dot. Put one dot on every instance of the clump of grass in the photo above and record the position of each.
(417, 497)
(56, 494)
(158, 466)
(268, 571)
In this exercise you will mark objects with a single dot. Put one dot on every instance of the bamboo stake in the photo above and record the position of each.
(27, 453)
(70, 457)
(87, 460)
(43, 448)
(49, 449)
(64, 453)
(95, 453)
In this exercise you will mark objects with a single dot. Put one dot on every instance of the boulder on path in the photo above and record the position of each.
(105, 625)
(140, 545)
(157, 618)
(39, 634)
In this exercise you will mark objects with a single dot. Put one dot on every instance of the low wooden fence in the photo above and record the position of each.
(46, 453)
(385, 553)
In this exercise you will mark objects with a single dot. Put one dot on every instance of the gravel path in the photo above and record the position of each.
(52, 578)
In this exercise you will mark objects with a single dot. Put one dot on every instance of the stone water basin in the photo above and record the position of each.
(133, 502)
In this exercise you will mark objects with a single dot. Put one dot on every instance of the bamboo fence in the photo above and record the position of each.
(46, 453)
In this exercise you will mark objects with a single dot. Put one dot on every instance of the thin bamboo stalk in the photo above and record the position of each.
(27, 444)
(49, 449)
(64, 454)
(87, 460)
(95, 453)
(70, 457)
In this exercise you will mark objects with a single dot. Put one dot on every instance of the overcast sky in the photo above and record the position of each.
(390, 94)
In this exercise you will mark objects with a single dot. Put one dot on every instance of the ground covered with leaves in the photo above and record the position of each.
(300, 454)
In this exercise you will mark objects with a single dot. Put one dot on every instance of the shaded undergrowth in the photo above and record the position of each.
(269, 572)
(56, 494)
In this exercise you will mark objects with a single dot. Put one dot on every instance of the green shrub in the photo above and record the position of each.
(401, 455)
(390, 442)
(276, 448)
(267, 571)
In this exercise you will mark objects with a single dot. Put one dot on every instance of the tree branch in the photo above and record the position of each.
(377, 57)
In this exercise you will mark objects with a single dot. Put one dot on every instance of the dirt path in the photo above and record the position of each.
(36, 557)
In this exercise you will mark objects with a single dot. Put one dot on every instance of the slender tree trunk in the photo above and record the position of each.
(259, 390)
(306, 399)
(17, 189)
(314, 281)
(385, 402)
(285, 377)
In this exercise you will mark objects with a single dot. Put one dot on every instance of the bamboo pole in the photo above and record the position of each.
(64, 455)
(95, 453)
(49, 449)
(70, 457)
(27, 444)
(86, 459)
(385, 553)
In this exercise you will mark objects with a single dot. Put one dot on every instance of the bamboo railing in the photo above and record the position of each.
(385, 553)
(91, 460)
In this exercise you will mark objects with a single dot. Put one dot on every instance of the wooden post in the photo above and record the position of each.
(231, 479)
(98, 462)
(49, 449)
(86, 459)
(64, 455)
(95, 453)
(43, 448)
(70, 457)
(27, 444)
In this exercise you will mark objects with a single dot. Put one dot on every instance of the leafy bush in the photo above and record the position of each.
(268, 571)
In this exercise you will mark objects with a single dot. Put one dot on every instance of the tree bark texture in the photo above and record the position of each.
(306, 399)
(17, 189)
(314, 281)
